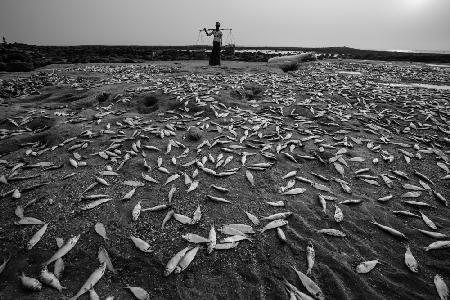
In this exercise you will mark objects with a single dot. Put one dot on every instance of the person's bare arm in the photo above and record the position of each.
(206, 31)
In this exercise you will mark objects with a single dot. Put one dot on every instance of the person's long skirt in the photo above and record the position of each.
(214, 59)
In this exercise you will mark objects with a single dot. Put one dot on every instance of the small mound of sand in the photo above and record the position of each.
(289, 67)
(40, 123)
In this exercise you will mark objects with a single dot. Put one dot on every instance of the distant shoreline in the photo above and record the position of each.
(18, 57)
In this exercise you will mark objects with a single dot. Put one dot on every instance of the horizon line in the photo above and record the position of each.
(433, 51)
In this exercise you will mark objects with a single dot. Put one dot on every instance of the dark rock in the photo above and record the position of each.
(194, 134)
(103, 97)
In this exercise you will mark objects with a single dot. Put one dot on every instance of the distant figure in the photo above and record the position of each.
(214, 59)
(4, 41)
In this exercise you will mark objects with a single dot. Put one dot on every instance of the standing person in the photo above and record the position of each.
(214, 59)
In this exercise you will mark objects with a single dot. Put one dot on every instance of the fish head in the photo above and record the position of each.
(74, 239)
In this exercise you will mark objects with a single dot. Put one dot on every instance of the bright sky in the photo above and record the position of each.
(366, 24)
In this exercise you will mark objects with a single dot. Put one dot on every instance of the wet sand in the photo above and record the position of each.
(320, 108)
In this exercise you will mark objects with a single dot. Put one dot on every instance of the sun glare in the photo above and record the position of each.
(415, 3)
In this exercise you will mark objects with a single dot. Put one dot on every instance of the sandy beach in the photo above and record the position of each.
(365, 138)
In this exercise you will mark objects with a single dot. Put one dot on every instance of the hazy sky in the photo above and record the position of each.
(367, 24)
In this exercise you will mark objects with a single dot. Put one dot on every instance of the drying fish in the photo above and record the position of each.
(101, 230)
(250, 177)
(212, 239)
(73, 163)
(90, 187)
(3, 265)
(103, 257)
(172, 178)
(96, 196)
(220, 189)
(443, 167)
(226, 246)
(387, 180)
(186, 260)
(366, 267)
(252, 218)
(423, 177)
(321, 187)
(290, 174)
(410, 261)
(16, 194)
(149, 178)
(241, 227)
(310, 285)
(339, 168)
(408, 186)
(405, 213)
(194, 238)
(187, 179)
(323, 203)
(295, 293)
(156, 208)
(332, 232)
(351, 201)
(338, 214)
(29, 283)
(418, 203)
(294, 191)
(440, 197)
(136, 211)
(91, 281)
(234, 239)
(101, 181)
(36, 237)
(401, 174)
(19, 211)
(438, 245)
(425, 186)
(182, 219)
(362, 171)
(217, 199)
(433, 234)
(428, 221)
(138, 292)
(95, 204)
(385, 198)
(129, 194)
(141, 244)
(29, 221)
(133, 183)
(173, 262)
(231, 231)
(63, 250)
(93, 295)
(276, 203)
(289, 185)
(193, 186)
(58, 267)
(310, 257)
(166, 219)
(390, 230)
(50, 279)
(277, 216)
(274, 224)
(441, 287)
(172, 191)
